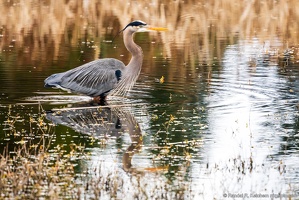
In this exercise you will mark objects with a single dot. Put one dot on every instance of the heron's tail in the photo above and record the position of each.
(53, 81)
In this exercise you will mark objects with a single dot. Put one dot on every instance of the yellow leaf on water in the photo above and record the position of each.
(171, 117)
(162, 79)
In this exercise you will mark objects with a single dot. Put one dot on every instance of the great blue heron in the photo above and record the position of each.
(105, 76)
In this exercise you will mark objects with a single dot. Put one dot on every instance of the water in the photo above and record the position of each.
(223, 122)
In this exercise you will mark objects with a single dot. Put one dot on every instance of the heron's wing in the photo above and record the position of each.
(94, 78)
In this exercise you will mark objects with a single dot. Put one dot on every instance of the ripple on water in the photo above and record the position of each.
(248, 106)
(262, 87)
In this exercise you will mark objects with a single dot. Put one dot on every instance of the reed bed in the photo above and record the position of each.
(37, 24)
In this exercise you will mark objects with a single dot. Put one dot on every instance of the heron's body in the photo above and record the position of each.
(94, 79)
(103, 76)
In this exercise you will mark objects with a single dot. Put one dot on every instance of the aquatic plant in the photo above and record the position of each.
(34, 166)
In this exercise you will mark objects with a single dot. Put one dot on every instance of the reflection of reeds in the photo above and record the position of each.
(195, 26)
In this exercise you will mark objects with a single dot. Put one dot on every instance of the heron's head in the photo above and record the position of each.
(135, 26)
(140, 26)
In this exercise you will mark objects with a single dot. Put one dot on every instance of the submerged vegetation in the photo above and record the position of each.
(42, 170)
(33, 165)
(30, 166)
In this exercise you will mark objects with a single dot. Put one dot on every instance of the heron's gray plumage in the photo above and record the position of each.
(103, 76)
(95, 78)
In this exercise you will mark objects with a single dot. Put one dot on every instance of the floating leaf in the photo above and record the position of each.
(171, 118)
(162, 80)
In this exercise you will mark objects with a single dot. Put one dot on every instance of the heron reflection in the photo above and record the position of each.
(104, 121)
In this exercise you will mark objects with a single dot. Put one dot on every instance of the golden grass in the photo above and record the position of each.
(214, 21)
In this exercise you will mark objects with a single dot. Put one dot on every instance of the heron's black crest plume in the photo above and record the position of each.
(133, 23)
(136, 23)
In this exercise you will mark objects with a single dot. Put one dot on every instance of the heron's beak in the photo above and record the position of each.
(157, 28)
(151, 28)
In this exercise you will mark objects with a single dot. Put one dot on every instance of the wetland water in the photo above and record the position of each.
(214, 113)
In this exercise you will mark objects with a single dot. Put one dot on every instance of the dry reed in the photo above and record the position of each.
(50, 22)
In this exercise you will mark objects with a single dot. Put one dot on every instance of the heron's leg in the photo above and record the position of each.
(97, 99)
(101, 100)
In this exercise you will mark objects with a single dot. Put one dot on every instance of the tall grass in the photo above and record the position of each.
(53, 22)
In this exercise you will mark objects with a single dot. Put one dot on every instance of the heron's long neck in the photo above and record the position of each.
(135, 63)
(132, 70)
